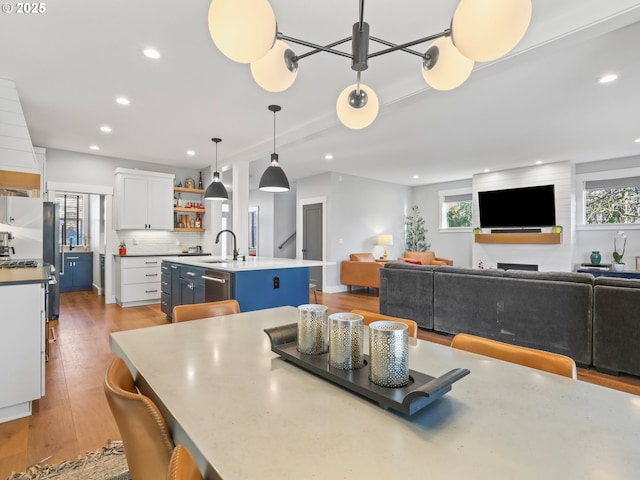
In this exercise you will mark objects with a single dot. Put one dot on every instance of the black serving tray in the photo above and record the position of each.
(421, 391)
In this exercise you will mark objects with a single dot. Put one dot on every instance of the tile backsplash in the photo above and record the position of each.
(156, 241)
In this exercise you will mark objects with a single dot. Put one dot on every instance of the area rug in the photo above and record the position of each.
(106, 463)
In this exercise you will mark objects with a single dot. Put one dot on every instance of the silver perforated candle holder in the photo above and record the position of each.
(313, 329)
(346, 334)
(389, 354)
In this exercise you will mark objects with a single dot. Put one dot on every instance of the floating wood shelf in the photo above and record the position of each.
(519, 238)
(188, 190)
(188, 229)
(188, 210)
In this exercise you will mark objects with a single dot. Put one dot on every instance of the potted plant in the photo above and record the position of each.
(619, 240)
(123, 248)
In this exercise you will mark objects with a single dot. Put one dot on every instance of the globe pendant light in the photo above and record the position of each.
(243, 30)
(216, 190)
(274, 179)
(444, 67)
(484, 30)
(277, 70)
(357, 106)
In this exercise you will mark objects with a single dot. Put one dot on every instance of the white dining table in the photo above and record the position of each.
(245, 413)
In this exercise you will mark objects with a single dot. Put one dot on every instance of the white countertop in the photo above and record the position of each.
(249, 414)
(251, 263)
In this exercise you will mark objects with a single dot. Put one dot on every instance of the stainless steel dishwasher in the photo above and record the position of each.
(217, 285)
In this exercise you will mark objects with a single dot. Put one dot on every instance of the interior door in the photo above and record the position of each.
(312, 240)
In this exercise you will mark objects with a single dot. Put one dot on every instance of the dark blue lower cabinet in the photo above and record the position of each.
(258, 289)
(78, 272)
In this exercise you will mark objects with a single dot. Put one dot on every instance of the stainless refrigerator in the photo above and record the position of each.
(52, 255)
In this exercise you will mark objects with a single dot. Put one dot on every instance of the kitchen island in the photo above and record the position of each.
(22, 343)
(255, 282)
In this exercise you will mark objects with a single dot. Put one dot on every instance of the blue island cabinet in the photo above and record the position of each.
(257, 289)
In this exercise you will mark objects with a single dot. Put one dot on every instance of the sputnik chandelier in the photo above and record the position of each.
(481, 30)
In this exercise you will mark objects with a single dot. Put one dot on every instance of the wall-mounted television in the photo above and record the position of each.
(513, 208)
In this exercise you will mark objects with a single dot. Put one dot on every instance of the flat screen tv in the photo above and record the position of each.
(528, 207)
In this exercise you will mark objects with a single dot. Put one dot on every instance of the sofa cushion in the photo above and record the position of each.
(362, 257)
(551, 276)
(406, 291)
(616, 314)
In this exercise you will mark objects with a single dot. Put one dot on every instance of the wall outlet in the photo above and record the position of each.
(135, 241)
(276, 282)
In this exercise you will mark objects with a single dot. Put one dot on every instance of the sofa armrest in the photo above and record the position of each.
(442, 261)
(361, 274)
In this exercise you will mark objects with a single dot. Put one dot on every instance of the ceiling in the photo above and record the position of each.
(542, 102)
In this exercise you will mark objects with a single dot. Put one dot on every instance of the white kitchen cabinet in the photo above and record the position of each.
(143, 199)
(138, 280)
(22, 216)
(22, 353)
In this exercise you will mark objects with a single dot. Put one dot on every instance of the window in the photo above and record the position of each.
(609, 201)
(456, 209)
(71, 218)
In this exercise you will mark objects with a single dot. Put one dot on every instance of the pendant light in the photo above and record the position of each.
(274, 179)
(216, 190)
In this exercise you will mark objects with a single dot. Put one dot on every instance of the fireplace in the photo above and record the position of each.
(518, 266)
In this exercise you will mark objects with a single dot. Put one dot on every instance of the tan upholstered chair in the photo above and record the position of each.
(145, 437)
(375, 317)
(182, 465)
(361, 270)
(195, 311)
(529, 357)
(424, 258)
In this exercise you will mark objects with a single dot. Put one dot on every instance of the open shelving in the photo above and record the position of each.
(519, 238)
(185, 210)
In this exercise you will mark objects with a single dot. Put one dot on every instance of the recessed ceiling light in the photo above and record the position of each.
(538, 162)
(328, 156)
(105, 129)
(486, 170)
(151, 53)
(416, 176)
(191, 153)
(123, 101)
(608, 78)
(94, 147)
(637, 140)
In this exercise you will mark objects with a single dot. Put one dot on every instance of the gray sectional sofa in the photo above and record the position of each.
(616, 325)
(552, 311)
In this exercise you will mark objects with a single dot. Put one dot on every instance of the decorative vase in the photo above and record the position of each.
(595, 258)
(618, 267)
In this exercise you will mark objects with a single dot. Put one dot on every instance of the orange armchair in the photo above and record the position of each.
(425, 258)
(361, 270)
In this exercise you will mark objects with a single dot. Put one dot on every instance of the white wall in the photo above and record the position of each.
(84, 169)
(284, 223)
(264, 202)
(452, 244)
(547, 257)
(357, 210)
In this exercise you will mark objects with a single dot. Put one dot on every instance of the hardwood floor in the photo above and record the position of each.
(73, 417)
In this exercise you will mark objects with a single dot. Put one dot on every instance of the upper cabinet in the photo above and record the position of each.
(143, 199)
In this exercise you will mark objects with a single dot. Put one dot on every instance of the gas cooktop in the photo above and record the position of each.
(19, 263)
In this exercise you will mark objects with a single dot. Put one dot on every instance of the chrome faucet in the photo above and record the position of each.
(235, 250)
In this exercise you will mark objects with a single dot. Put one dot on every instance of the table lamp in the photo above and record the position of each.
(385, 240)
